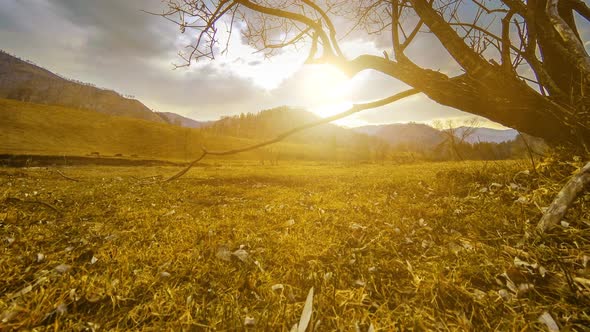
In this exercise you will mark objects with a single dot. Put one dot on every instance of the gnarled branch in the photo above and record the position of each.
(581, 7)
(569, 37)
(465, 56)
(564, 199)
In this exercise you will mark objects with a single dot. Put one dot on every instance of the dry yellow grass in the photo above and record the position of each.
(28, 128)
(425, 247)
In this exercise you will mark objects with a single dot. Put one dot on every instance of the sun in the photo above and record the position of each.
(322, 80)
(325, 89)
(329, 109)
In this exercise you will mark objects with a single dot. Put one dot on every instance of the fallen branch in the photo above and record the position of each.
(181, 173)
(564, 199)
(66, 177)
(18, 200)
(354, 109)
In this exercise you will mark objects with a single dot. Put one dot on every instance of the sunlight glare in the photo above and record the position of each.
(329, 109)
(326, 90)
(322, 82)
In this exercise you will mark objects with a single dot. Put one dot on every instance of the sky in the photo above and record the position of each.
(115, 45)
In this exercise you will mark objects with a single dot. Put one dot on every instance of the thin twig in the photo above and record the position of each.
(18, 200)
(181, 173)
(529, 152)
(66, 177)
(354, 109)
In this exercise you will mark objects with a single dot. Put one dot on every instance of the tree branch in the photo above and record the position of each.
(465, 56)
(397, 49)
(516, 5)
(570, 39)
(564, 199)
(528, 55)
(411, 36)
(354, 109)
(205, 21)
(291, 41)
(317, 27)
(65, 176)
(488, 10)
(581, 7)
(330, 25)
(506, 43)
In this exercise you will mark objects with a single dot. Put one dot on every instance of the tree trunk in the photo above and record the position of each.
(514, 104)
(562, 68)
(493, 94)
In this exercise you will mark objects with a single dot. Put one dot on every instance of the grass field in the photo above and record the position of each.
(437, 246)
(37, 129)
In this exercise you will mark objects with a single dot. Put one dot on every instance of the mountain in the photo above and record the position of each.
(272, 122)
(37, 129)
(179, 120)
(28, 128)
(416, 134)
(406, 134)
(489, 135)
(25, 81)
(329, 141)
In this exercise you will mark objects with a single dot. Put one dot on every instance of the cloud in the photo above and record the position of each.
(119, 26)
(113, 44)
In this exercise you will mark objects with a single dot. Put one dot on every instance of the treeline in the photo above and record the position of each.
(522, 147)
(325, 142)
(272, 122)
(330, 142)
(264, 124)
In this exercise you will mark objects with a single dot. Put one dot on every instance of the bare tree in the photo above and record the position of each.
(523, 64)
(455, 136)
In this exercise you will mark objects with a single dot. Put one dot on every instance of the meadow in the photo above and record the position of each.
(237, 246)
(41, 130)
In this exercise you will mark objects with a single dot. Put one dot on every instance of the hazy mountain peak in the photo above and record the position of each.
(182, 121)
(490, 135)
(426, 136)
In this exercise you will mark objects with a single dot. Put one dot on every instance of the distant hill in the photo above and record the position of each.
(179, 120)
(336, 143)
(416, 134)
(405, 134)
(36, 129)
(25, 81)
(28, 128)
(271, 122)
(489, 135)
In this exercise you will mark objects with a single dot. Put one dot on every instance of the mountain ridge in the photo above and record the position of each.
(490, 135)
(25, 81)
(408, 134)
(413, 134)
(183, 121)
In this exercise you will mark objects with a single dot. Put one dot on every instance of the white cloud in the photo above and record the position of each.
(113, 44)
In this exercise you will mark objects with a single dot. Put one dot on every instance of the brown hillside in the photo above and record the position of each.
(24, 81)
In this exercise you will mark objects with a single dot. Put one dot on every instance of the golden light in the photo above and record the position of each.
(325, 88)
(329, 109)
